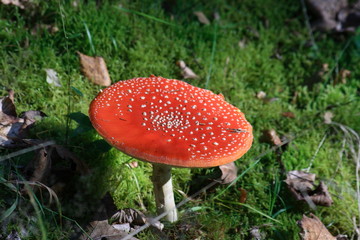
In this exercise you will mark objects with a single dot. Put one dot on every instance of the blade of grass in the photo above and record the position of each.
(26, 150)
(37, 211)
(213, 50)
(88, 33)
(148, 16)
(251, 208)
(10, 210)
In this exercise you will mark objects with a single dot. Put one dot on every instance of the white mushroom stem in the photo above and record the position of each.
(163, 189)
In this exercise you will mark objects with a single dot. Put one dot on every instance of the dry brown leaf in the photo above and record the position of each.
(342, 76)
(270, 136)
(40, 28)
(301, 184)
(229, 173)
(288, 114)
(94, 68)
(202, 18)
(186, 72)
(12, 128)
(67, 155)
(41, 165)
(43, 168)
(134, 218)
(334, 15)
(313, 229)
(243, 195)
(103, 230)
(7, 109)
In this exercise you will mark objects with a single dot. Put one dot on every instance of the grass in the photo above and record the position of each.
(138, 39)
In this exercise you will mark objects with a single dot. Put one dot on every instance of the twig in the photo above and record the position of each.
(308, 26)
(29, 149)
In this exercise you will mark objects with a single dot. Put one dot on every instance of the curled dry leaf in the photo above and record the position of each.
(313, 229)
(288, 114)
(103, 230)
(229, 173)
(301, 184)
(94, 68)
(335, 15)
(52, 78)
(243, 195)
(13, 129)
(186, 72)
(202, 18)
(42, 166)
(342, 76)
(134, 218)
(270, 136)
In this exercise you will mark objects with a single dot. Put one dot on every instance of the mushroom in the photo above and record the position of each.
(169, 123)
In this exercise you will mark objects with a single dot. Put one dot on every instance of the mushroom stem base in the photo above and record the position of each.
(163, 189)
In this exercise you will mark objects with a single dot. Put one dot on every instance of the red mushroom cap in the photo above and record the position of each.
(170, 122)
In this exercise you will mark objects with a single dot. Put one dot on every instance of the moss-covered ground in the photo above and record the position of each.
(139, 38)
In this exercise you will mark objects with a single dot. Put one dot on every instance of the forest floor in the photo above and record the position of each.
(298, 88)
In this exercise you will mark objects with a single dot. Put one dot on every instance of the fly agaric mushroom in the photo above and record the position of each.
(168, 123)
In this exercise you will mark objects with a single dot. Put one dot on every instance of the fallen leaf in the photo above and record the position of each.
(18, 3)
(256, 234)
(328, 117)
(134, 218)
(40, 28)
(52, 78)
(94, 68)
(242, 43)
(42, 168)
(186, 72)
(334, 15)
(325, 13)
(270, 136)
(13, 129)
(13, 236)
(202, 18)
(342, 76)
(229, 173)
(7, 109)
(243, 195)
(261, 95)
(67, 155)
(313, 229)
(103, 230)
(324, 69)
(302, 185)
(288, 114)
(41, 165)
